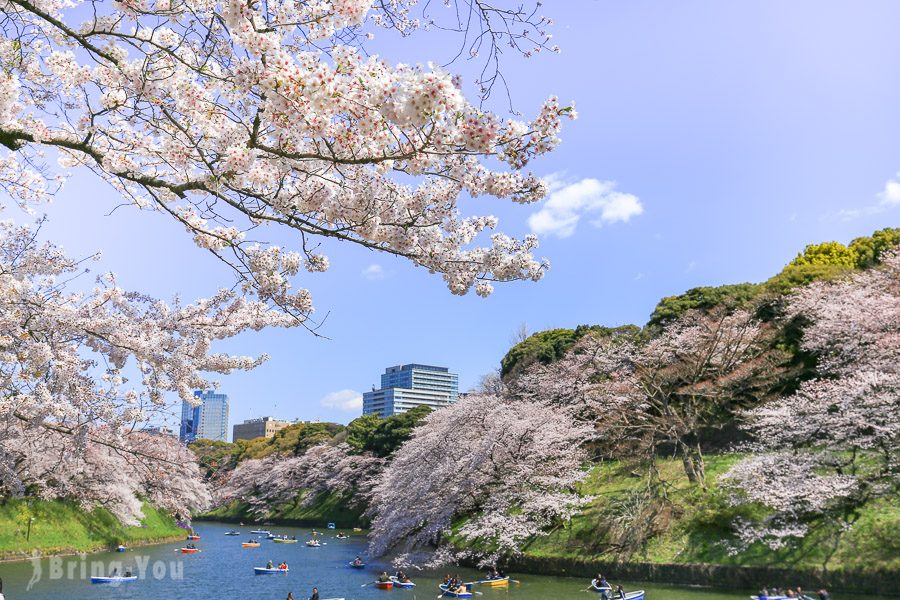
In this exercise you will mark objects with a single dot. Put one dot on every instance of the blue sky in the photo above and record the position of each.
(740, 131)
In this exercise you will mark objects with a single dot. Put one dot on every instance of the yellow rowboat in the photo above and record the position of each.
(283, 541)
(250, 545)
(499, 582)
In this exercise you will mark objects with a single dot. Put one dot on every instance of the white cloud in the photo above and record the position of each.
(345, 400)
(567, 203)
(890, 196)
(373, 272)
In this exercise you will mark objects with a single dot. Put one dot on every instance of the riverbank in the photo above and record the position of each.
(60, 528)
(327, 508)
(689, 539)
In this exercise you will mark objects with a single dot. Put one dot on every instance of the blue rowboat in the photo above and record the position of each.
(265, 571)
(113, 579)
(121, 549)
(260, 531)
(445, 592)
(356, 565)
(330, 526)
(402, 584)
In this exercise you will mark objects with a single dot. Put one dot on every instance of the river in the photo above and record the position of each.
(224, 570)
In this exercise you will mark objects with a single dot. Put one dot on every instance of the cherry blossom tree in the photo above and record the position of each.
(508, 467)
(67, 360)
(647, 395)
(832, 445)
(275, 480)
(229, 116)
(101, 469)
(234, 118)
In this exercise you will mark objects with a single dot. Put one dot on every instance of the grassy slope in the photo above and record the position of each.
(63, 527)
(327, 508)
(693, 532)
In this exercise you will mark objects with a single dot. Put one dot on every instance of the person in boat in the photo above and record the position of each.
(293, 537)
(823, 594)
(790, 593)
(315, 594)
(620, 593)
(500, 573)
(763, 594)
(127, 573)
(603, 585)
(384, 577)
(115, 572)
(283, 566)
(446, 579)
(269, 565)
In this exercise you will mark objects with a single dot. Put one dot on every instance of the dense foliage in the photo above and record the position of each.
(548, 346)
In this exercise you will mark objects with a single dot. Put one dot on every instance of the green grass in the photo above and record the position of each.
(693, 526)
(63, 527)
(327, 508)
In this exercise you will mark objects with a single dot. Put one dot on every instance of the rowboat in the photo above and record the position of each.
(190, 550)
(384, 585)
(330, 526)
(121, 548)
(495, 582)
(284, 541)
(446, 592)
(357, 565)
(638, 595)
(342, 536)
(781, 598)
(193, 537)
(260, 531)
(402, 584)
(113, 579)
(313, 543)
(250, 545)
(265, 571)
(232, 532)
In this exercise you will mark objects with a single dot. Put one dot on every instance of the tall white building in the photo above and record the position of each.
(406, 386)
(207, 420)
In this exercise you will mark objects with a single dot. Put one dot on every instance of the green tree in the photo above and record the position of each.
(869, 249)
(215, 456)
(826, 253)
(729, 297)
(361, 430)
(382, 437)
(794, 276)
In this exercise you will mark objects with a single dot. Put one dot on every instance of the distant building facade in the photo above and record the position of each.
(160, 430)
(407, 386)
(257, 428)
(207, 420)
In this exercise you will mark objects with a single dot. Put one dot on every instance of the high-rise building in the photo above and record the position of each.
(256, 428)
(406, 386)
(207, 420)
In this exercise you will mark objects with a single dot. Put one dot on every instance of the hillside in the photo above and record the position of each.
(59, 527)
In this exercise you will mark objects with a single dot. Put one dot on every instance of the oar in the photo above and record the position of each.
(370, 583)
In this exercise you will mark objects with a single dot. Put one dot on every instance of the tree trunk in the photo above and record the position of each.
(692, 459)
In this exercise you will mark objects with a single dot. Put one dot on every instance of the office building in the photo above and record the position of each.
(206, 420)
(406, 386)
(256, 428)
